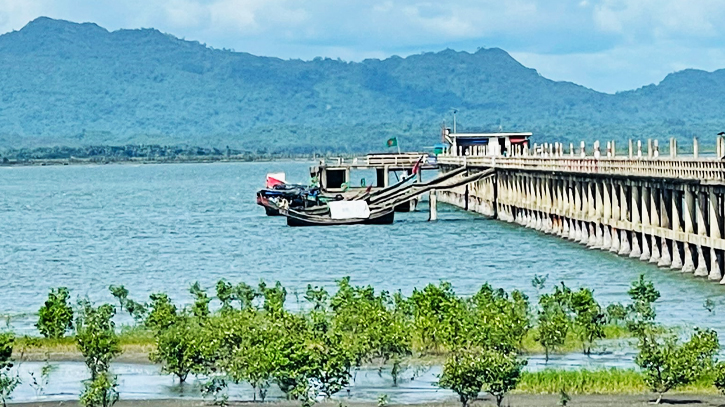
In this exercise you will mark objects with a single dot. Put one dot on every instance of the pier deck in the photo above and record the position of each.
(663, 210)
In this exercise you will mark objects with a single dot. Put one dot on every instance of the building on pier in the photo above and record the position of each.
(486, 144)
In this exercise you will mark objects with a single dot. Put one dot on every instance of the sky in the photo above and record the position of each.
(606, 45)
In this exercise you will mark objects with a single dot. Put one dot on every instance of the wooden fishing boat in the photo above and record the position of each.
(299, 218)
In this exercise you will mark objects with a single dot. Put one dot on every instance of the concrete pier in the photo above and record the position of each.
(666, 209)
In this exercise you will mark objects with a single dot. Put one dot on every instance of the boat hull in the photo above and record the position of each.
(297, 220)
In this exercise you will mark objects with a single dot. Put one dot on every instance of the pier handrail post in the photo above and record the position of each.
(631, 149)
(656, 153)
(695, 148)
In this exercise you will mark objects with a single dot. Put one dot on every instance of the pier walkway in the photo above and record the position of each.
(666, 210)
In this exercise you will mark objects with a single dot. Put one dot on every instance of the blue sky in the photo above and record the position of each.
(607, 45)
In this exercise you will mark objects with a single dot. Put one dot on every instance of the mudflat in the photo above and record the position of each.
(516, 400)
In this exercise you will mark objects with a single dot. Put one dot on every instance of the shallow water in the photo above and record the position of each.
(163, 227)
(139, 381)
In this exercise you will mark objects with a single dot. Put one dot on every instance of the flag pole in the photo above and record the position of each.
(397, 144)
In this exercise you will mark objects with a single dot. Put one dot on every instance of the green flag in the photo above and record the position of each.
(392, 142)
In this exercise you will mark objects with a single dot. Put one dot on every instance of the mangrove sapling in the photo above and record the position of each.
(588, 318)
(498, 320)
(616, 314)
(96, 337)
(225, 294)
(39, 383)
(162, 312)
(135, 309)
(178, 348)
(8, 380)
(553, 324)
(668, 364)
(641, 313)
(55, 317)
(216, 387)
(719, 376)
(274, 297)
(100, 391)
(501, 373)
(200, 307)
(438, 317)
(245, 294)
(463, 373)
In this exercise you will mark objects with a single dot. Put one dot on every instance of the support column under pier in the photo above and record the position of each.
(715, 233)
(636, 237)
(654, 213)
(701, 270)
(624, 243)
(665, 201)
(677, 228)
(688, 212)
(645, 208)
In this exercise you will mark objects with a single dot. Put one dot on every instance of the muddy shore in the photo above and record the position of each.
(516, 400)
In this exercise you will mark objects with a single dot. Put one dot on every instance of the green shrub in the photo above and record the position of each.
(96, 337)
(719, 377)
(463, 374)
(668, 364)
(100, 391)
(55, 317)
(8, 380)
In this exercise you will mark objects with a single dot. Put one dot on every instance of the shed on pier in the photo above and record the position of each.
(486, 144)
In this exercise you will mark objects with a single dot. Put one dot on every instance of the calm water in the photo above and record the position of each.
(162, 227)
(146, 381)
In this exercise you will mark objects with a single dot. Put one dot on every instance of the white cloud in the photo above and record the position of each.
(605, 44)
(623, 68)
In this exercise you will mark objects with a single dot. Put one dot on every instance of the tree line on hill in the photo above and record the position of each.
(68, 84)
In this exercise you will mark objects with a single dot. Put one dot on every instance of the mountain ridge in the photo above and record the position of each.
(71, 84)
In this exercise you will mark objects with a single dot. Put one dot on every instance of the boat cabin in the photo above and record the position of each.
(486, 144)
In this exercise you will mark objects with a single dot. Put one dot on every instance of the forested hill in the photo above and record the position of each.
(63, 83)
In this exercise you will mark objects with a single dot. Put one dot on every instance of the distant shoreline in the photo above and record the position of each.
(106, 161)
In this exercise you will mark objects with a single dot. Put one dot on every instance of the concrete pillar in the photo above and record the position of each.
(688, 212)
(665, 256)
(673, 147)
(606, 214)
(386, 176)
(650, 151)
(432, 205)
(715, 233)
(636, 250)
(624, 246)
(654, 223)
(598, 213)
(677, 228)
(701, 270)
(645, 208)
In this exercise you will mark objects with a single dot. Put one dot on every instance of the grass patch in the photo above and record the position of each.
(139, 340)
(572, 344)
(601, 381)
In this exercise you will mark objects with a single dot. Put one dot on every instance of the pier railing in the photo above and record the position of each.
(377, 160)
(707, 169)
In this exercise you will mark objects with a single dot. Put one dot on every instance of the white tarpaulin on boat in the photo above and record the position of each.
(349, 210)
